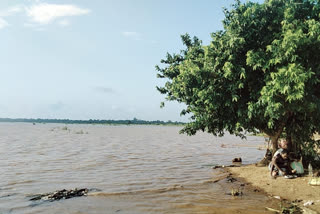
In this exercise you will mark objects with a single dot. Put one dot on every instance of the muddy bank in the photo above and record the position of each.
(297, 190)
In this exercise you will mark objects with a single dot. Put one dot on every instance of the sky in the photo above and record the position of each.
(95, 59)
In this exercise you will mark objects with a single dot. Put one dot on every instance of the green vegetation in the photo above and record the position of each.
(292, 208)
(135, 121)
(260, 74)
(256, 134)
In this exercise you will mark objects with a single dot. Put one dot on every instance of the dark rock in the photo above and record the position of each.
(217, 167)
(297, 201)
(238, 160)
(231, 179)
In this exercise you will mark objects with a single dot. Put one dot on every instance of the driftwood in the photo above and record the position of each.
(273, 210)
(223, 166)
(60, 194)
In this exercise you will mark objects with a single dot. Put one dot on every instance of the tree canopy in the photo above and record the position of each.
(261, 72)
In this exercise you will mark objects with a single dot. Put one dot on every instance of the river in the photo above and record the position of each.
(139, 169)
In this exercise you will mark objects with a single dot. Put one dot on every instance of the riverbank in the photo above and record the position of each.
(297, 190)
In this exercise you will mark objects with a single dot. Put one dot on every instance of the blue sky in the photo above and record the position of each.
(94, 59)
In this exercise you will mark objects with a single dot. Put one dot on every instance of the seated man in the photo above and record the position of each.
(280, 165)
(283, 145)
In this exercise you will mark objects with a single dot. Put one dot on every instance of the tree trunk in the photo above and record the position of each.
(274, 143)
(267, 158)
(291, 146)
(274, 136)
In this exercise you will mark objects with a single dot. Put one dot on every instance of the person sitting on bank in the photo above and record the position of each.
(280, 165)
(283, 145)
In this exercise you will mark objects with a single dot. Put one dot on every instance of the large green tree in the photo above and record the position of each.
(261, 72)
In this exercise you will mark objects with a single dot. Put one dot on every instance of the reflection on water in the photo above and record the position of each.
(140, 169)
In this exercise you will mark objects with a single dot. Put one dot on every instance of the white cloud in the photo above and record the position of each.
(132, 34)
(44, 13)
(3, 23)
(41, 13)
(64, 23)
(11, 11)
(8, 12)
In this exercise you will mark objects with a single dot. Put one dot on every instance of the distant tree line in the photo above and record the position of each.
(134, 121)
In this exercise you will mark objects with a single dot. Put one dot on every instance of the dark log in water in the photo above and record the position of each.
(60, 194)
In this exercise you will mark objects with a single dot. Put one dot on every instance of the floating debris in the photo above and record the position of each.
(60, 194)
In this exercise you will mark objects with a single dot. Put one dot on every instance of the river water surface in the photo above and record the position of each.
(139, 169)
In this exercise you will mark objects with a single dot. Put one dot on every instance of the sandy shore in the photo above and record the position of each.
(288, 189)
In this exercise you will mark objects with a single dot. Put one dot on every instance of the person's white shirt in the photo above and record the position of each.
(278, 152)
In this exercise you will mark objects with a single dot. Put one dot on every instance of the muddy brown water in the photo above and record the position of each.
(139, 169)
